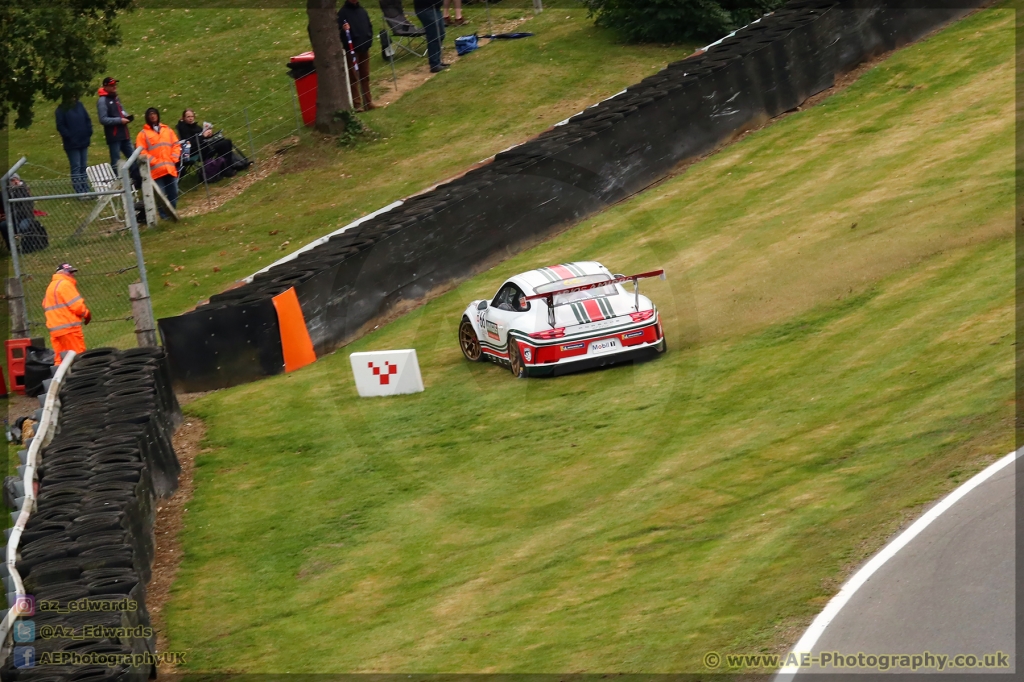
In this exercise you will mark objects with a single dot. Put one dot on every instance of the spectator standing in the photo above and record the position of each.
(65, 312)
(161, 146)
(115, 120)
(75, 128)
(361, 31)
(459, 21)
(429, 14)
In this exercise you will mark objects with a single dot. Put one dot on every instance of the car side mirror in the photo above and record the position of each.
(482, 305)
(618, 276)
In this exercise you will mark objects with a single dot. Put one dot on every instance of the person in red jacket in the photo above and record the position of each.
(65, 312)
(161, 145)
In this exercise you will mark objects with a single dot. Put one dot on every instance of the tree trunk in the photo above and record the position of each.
(333, 93)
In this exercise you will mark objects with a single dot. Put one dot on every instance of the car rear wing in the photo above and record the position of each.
(619, 279)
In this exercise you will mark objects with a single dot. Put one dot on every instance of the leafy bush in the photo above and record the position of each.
(669, 21)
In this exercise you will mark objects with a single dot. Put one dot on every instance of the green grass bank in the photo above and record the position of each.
(839, 310)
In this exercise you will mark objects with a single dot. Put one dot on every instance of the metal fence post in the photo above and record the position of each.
(295, 108)
(9, 215)
(134, 225)
(202, 170)
(248, 126)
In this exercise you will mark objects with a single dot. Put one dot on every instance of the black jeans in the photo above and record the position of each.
(116, 150)
(433, 23)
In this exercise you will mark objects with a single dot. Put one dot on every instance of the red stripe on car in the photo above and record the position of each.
(593, 310)
(562, 271)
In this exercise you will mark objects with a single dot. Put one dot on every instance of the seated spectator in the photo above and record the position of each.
(202, 137)
(26, 226)
(218, 154)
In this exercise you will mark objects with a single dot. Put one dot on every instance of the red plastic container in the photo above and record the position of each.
(305, 85)
(16, 363)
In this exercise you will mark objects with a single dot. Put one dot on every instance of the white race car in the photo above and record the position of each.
(561, 319)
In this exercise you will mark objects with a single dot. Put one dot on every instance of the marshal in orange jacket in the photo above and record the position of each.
(162, 148)
(64, 306)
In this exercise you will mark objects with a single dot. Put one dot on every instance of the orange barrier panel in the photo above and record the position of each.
(296, 346)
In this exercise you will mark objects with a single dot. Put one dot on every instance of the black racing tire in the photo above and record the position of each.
(469, 342)
(515, 360)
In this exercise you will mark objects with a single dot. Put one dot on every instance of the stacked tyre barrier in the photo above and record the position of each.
(598, 157)
(83, 545)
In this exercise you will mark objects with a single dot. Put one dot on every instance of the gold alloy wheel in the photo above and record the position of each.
(515, 361)
(468, 341)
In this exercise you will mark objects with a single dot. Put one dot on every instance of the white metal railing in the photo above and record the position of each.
(45, 431)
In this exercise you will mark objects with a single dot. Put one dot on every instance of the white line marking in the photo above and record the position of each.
(831, 610)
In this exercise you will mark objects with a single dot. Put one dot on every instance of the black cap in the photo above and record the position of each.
(109, 80)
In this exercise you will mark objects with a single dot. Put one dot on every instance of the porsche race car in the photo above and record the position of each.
(561, 319)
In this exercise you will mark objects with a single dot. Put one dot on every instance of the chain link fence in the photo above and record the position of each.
(255, 133)
(92, 230)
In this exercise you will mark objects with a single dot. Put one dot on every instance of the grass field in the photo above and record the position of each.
(839, 310)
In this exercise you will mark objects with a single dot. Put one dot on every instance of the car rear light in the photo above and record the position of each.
(549, 334)
(642, 315)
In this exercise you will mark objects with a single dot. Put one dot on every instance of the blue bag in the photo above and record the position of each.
(465, 44)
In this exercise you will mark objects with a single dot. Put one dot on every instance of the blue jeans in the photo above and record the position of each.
(79, 159)
(433, 23)
(116, 150)
(169, 185)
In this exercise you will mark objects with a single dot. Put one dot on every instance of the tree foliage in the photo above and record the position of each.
(54, 50)
(670, 21)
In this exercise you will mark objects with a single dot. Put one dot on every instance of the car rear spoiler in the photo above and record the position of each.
(621, 279)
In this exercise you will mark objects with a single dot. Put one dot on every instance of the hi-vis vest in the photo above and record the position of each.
(162, 148)
(63, 305)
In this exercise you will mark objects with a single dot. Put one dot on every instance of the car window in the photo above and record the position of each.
(510, 297)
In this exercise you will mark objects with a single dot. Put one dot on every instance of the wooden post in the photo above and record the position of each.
(538, 6)
(147, 194)
(16, 300)
(142, 311)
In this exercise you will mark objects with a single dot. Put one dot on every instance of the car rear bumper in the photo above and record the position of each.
(568, 366)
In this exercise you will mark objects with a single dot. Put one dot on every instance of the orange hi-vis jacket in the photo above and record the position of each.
(162, 148)
(63, 305)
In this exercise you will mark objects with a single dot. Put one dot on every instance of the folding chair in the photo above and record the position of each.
(405, 35)
(103, 179)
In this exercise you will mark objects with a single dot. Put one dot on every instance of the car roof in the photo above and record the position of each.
(529, 281)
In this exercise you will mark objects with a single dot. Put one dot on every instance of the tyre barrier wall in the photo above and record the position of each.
(83, 543)
(577, 168)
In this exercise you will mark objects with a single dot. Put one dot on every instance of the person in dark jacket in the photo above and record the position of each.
(429, 14)
(115, 122)
(75, 128)
(361, 31)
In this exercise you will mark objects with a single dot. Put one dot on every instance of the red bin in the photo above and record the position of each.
(16, 351)
(300, 67)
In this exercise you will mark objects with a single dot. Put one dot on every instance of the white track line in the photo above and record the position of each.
(832, 609)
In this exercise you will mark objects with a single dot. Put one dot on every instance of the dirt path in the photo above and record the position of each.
(421, 74)
(169, 516)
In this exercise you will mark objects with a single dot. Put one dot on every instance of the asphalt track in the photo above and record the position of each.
(948, 590)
